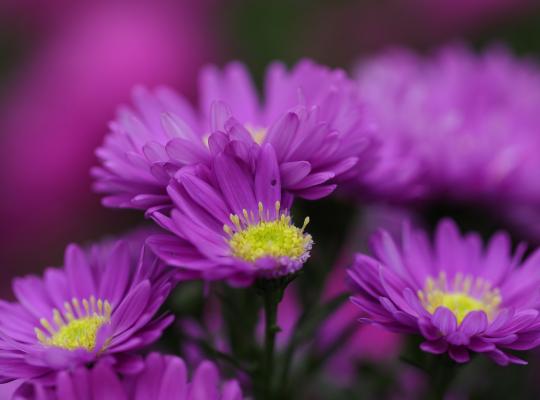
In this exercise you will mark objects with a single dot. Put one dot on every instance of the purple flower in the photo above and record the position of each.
(461, 125)
(145, 145)
(312, 116)
(163, 377)
(101, 304)
(231, 221)
(457, 295)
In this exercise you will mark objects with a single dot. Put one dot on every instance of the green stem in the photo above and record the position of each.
(271, 329)
(271, 292)
(442, 374)
(440, 369)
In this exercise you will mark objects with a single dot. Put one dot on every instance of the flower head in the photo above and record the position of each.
(101, 304)
(162, 377)
(231, 221)
(145, 145)
(457, 295)
(461, 125)
(312, 116)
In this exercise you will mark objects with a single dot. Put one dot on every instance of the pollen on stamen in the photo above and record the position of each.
(75, 327)
(258, 235)
(461, 296)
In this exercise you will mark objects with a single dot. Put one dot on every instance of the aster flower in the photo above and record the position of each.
(101, 304)
(231, 222)
(163, 377)
(135, 164)
(311, 115)
(460, 297)
(463, 126)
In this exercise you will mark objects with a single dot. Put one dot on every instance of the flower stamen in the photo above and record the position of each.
(252, 238)
(75, 327)
(461, 296)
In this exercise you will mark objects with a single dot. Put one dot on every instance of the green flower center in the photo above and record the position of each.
(251, 240)
(461, 296)
(76, 327)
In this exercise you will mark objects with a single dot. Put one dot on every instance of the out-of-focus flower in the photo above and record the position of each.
(101, 304)
(232, 221)
(148, 144)
(457, 295)
(163, 377)
(55, 107)
(311, 115)
(468, 124)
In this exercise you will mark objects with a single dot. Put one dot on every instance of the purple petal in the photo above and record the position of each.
(444, 320)
(267, 178)
(474, 323)
(234, 183)
(173, 380)
(282, 134)
(106, 384)
(459, 354)
(293, 172)
(435, 347)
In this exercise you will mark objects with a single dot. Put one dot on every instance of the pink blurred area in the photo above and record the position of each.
(55, 108)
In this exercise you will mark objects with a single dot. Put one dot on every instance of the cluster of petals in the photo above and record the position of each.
(462, 125)
(213, 203)
(311, 115)
(108, 295)
(162, 377)
(392, 286)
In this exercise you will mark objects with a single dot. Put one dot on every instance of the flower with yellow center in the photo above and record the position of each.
(461, 296)
(252, 238)
(76, 327)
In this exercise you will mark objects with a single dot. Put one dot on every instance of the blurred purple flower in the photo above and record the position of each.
(54, 109)
(163, 377)
(458, 296)
(465, 124)
(101, 304)
(231, 221)
(312, 116)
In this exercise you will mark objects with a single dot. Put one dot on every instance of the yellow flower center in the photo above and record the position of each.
(76, 327)
(461, 296)
(252, 239)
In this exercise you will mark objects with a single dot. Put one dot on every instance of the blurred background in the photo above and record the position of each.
(66, 65)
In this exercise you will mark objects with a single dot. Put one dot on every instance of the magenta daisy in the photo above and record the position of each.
(162, 377)
(312, 116)
(460, 297)
(101, 304)
(231, 221)
(135, 161)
